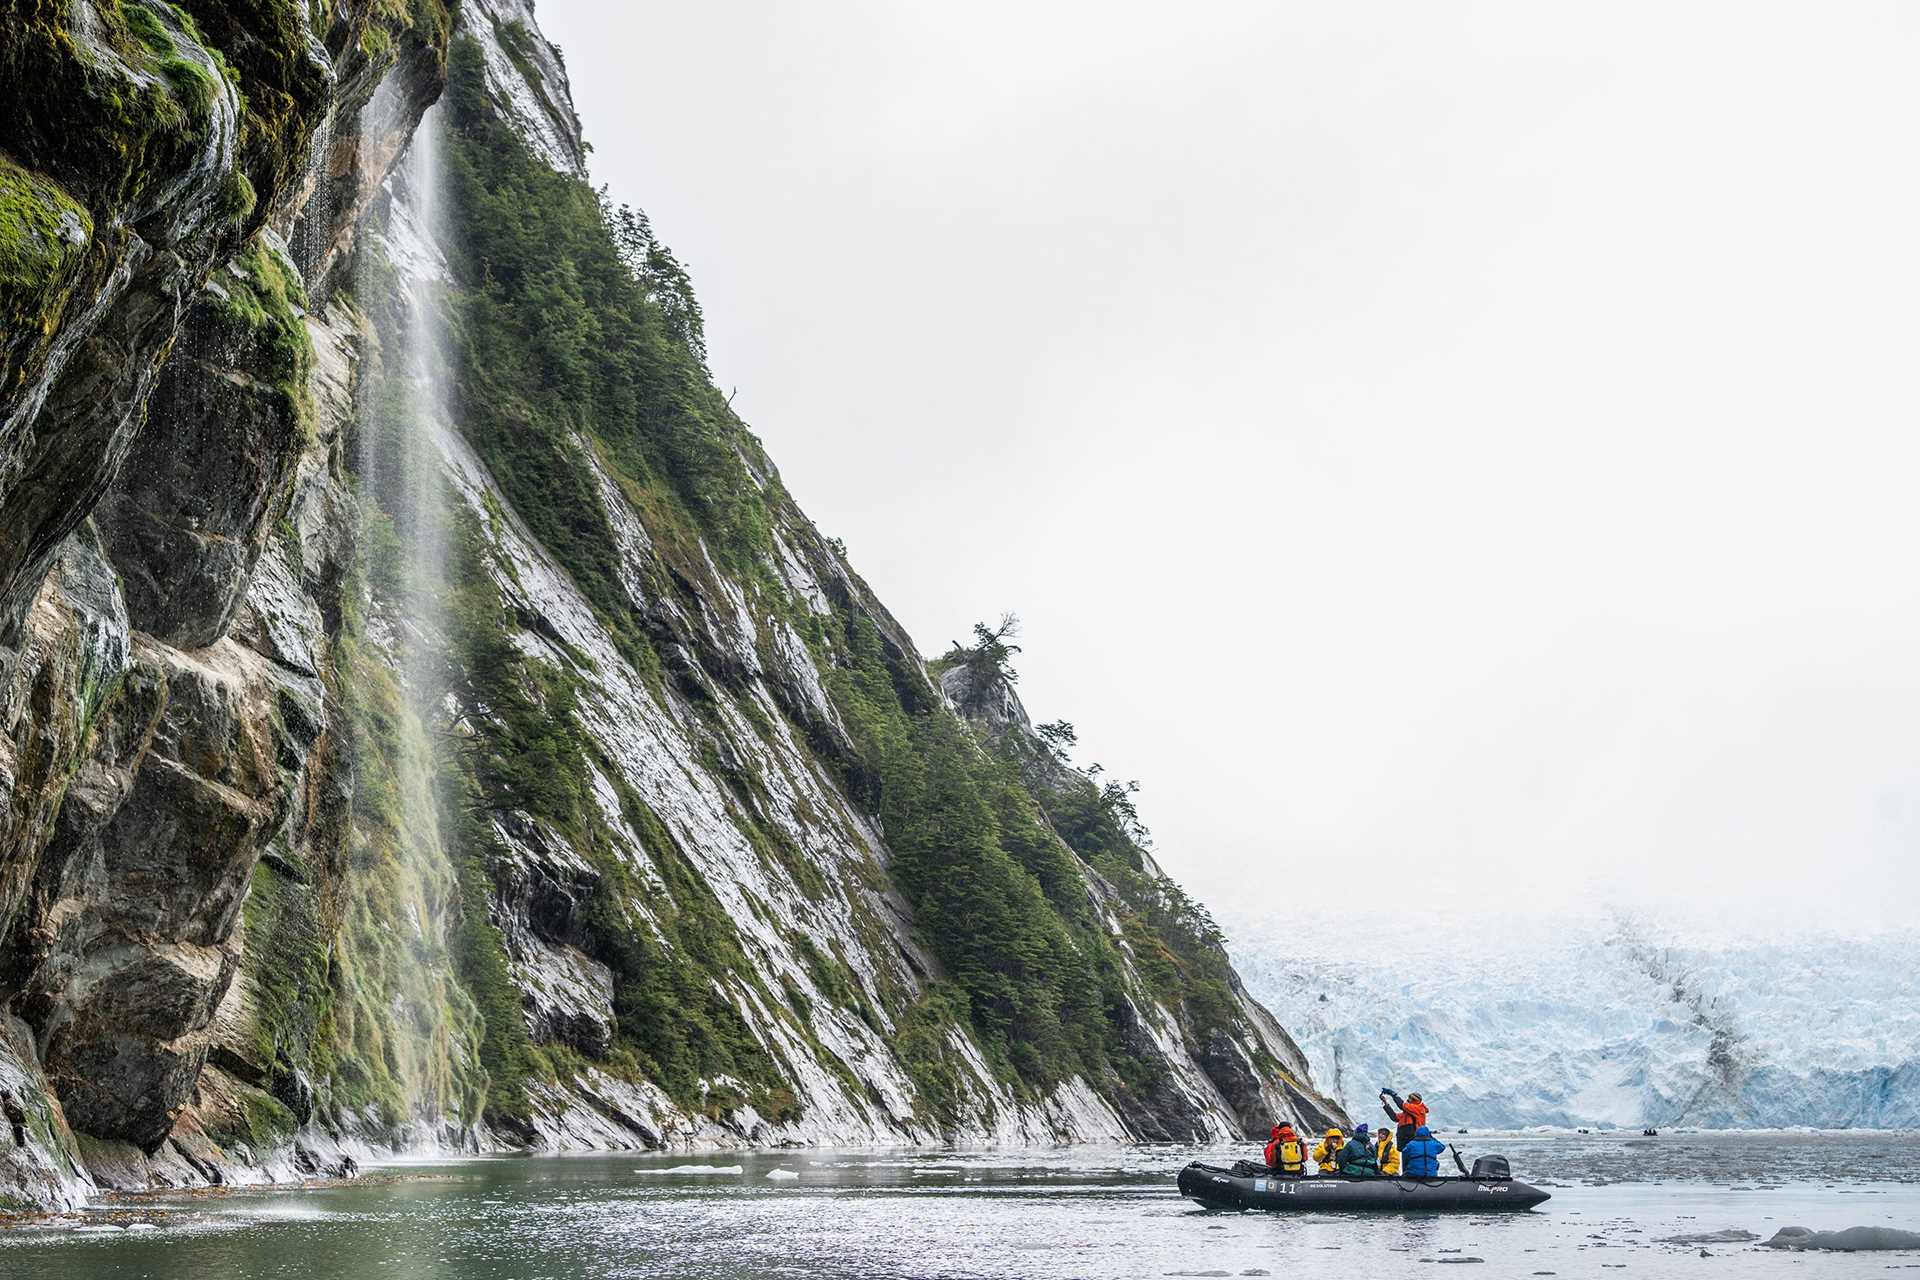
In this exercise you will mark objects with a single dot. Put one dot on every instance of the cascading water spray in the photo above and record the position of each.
(403, 967)
(420, 513)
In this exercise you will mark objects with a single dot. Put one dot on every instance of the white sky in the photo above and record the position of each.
(1472, 445)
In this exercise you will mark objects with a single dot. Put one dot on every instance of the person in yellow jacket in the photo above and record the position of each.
(1327, 1154)
(1388, 1155)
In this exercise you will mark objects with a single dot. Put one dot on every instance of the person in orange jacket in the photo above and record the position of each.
(1406, 1116)
(1286, 1152)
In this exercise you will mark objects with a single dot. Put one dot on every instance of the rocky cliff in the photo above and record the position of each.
(425, 718)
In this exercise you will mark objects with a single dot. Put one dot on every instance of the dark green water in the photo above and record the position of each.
(1075, 1212)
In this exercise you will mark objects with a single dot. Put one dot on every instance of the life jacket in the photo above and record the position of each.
(1412, 1116)
(1357, 1159)
(1388, 1155)
(1422, 1155)
(1327, 1154)
(1286, 1153)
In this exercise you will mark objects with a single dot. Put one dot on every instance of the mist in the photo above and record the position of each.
(1459, 458)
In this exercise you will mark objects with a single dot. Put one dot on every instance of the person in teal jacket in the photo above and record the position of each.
(1357, 1158)
(1421, 1157)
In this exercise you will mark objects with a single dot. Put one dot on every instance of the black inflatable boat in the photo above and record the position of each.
(1251, 1186)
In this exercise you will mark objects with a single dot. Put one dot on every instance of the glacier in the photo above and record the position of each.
(1601, 1022)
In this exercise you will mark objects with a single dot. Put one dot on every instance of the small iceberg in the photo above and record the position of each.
(698, 1168)
(1732, 1235)
(1852, 1240)
(782, 1175)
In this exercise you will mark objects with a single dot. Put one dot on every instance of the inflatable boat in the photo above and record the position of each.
(1251, 1186)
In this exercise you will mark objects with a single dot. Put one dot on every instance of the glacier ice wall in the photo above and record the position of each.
(1611, 1023)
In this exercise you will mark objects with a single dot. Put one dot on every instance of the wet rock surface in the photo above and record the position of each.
(142, 887)
(187, 519)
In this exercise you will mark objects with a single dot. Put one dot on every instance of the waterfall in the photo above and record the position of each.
(418, 358)
(398, 956)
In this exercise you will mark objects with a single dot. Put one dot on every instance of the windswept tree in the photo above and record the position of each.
(658, 272)
(1116, 801)
(988, 661)
(1059, 739)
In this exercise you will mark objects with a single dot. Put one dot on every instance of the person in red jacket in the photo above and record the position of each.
(1406, 1116)
(1286, 1153)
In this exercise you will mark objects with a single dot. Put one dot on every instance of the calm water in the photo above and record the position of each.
(1076, 1212)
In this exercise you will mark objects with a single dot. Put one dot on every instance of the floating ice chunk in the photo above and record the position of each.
(1852, 1240)
(782, 1175)
(698, 1168)
(1732, 1235)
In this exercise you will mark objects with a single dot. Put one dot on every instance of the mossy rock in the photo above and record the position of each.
(44, 237)
(261, 304)
(115, 111)
(424, 25)
(283, 79)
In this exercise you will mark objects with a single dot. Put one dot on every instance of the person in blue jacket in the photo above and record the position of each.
(1421, 1157)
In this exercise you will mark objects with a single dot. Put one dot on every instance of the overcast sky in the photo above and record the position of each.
(1470, 447)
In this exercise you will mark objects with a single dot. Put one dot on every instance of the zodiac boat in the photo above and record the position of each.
(1253, 1186)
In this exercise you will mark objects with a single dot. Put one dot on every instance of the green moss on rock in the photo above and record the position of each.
(111, 114)
(40, 228)
(284, 83)
(563, 356)
(405, 1036)
(507, 1053)
(262, 304)
(923, 1041)
(44, 236)
(288, 948)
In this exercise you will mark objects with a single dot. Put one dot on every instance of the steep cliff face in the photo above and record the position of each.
(158, 737)
(428, 721)
(1194, 997)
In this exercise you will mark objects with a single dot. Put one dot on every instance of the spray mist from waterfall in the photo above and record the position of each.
(419, 360)
(402, 957)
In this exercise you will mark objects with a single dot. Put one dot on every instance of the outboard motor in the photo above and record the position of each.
(1492, 1168)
